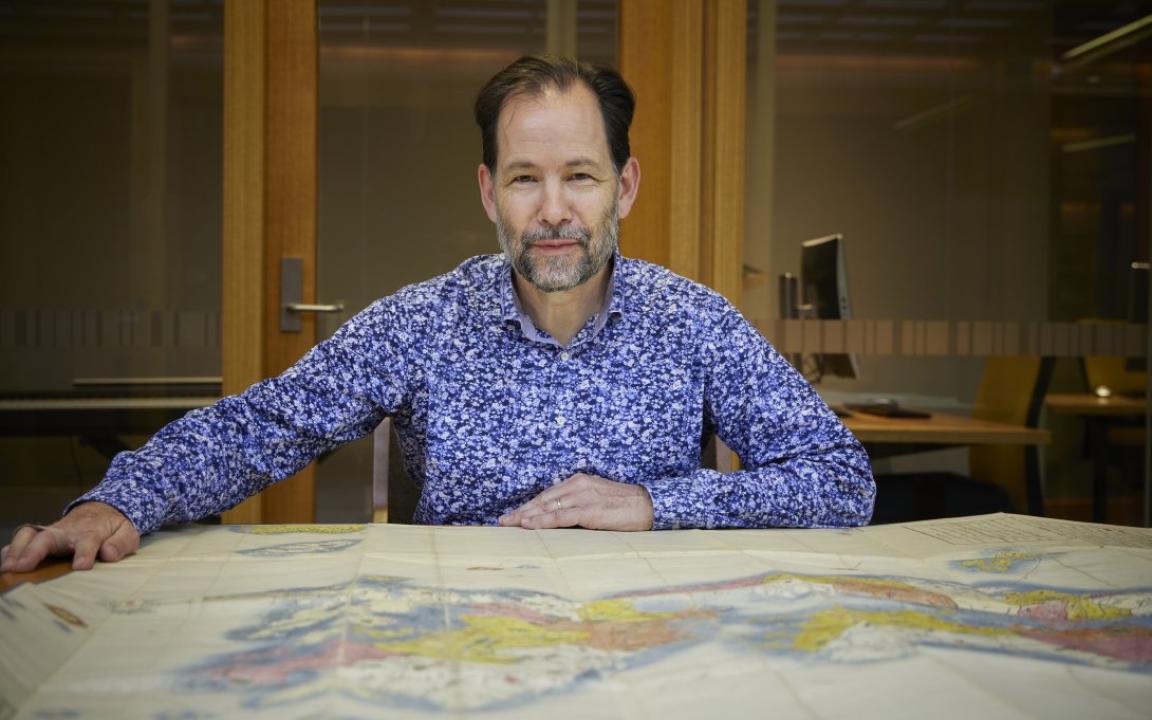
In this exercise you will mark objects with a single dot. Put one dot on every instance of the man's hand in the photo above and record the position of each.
(585, 501)
(91, 529)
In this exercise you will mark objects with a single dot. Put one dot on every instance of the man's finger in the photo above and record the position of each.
(84, 556)
(568, 517)
(547, 505)
(123, 543)
(33, 549)
(20, 540)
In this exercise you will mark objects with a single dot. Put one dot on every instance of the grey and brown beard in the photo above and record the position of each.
(560, 273)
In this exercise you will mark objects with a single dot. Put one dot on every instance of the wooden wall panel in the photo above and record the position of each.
(645, 61)
(269, 207)
(685, 138)
(290, 211)
(686, 63)
(242, 316)
(722, 195)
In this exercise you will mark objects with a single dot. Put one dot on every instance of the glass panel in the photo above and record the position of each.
(398, 151)
(990, 176)
(109, 234)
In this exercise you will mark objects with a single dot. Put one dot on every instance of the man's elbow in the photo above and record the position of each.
(857, 499)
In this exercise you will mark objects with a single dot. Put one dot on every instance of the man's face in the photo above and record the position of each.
(555, 196)
(556, 258)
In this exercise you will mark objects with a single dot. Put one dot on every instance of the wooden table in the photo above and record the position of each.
(942, 429)
(100, 421)
(886, 437)
(1091, 404)
(47, 571)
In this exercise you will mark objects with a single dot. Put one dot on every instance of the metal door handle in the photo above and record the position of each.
(308, 307)
(292, 291)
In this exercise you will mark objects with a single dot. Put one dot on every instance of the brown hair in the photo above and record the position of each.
(531, 75)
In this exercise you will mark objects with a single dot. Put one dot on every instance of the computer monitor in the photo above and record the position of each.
(824, 296)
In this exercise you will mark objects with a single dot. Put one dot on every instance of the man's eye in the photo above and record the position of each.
(522, 179)
(580, 177)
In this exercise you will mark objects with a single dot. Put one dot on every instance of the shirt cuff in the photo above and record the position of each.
(677, 503)
(137, 499)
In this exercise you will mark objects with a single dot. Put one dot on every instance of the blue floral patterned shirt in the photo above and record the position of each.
(491, 411)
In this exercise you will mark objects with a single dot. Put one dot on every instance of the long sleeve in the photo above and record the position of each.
(215, 457)
(801, 466)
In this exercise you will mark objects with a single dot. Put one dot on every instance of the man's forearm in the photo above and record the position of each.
(834, 490)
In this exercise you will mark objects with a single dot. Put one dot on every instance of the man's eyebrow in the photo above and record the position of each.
(581, 161)
(519, 165)
(514, 165)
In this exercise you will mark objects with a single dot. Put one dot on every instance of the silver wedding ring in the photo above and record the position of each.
(559, 505)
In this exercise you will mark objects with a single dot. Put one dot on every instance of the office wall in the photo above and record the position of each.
(933, 161)
(975, 171)
(109, 240)
(110, 213)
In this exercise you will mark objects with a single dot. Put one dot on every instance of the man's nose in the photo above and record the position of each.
(555, 209)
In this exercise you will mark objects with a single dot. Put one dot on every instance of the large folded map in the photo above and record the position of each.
(993, 616)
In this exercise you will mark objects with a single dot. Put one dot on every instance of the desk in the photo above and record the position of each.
(970, 617)
(887, 437)
(98, 420)
(48, 571)
(942, 429)
(1090, 404)
(1100, 415)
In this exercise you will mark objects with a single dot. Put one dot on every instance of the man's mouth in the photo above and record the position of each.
(554, 245)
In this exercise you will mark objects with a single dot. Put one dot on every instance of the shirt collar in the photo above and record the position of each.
(511, 310)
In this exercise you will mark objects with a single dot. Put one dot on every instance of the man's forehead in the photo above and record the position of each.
(554, 118)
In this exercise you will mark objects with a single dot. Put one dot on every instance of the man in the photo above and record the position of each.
(557, 385)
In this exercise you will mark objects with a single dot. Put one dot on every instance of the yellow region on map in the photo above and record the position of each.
(1000, 562)
(827, 625)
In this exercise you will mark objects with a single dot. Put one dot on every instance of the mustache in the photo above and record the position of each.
(565, 232)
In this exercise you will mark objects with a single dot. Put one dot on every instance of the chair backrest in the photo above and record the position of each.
(1012, 390)
(381, 452)
(394, 495)
(1113, 372)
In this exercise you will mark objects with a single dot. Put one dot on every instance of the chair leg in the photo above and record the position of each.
(1033, 486)
(1097, 432)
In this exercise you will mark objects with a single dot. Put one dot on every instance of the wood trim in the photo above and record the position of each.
(722, 196)
(290, 212)
(269, 208)
(685, 138)
(686, 63)
(645, 51)
(241, 321)
(759, 292)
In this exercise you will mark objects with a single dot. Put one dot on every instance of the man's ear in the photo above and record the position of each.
(487, 190)
(628, 186)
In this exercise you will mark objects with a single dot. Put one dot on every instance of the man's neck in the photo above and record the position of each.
(562, 314)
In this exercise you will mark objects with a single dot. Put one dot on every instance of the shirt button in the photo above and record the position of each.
(560, 420)
(564, 356)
